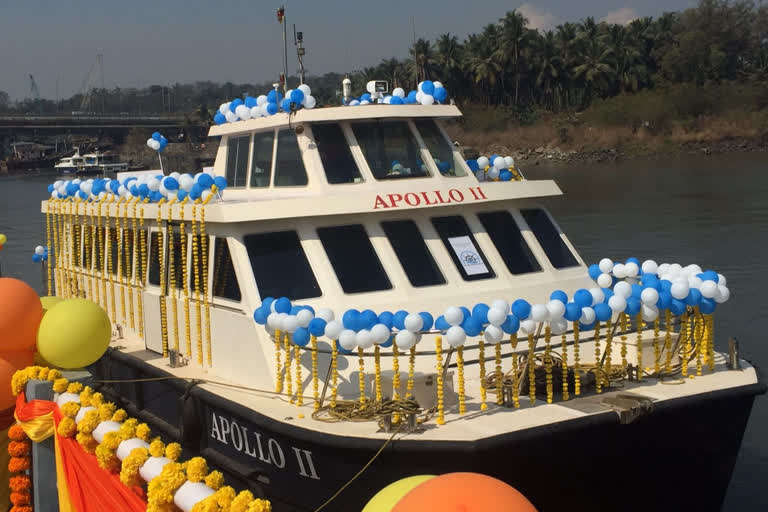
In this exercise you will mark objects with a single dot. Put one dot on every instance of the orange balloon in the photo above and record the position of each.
(464, 492)
(10, 362)
(20, 315)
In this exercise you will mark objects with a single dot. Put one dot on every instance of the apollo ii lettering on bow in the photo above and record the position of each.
(431, 198)
(266, 449)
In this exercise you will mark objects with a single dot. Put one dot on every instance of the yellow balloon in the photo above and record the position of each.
(74, 333)
(386, 499)
(3, 239)
(49, 302)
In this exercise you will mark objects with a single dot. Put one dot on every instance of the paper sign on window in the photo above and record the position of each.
(468, 255)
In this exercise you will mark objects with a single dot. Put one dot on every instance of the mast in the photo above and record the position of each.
(281, 19)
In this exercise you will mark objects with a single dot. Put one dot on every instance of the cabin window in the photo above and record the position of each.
(280, 266)
(412, 251)
(439, 147)
(390, 149)
(224, 278)
(289, 166)
(261, 161)
(237, 160)
(506, 236)
(335, 154)
(549, 238)
(155, 246)
(461, 245)
(353, 258)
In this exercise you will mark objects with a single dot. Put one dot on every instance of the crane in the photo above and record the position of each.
(94, 79)
(34, 92)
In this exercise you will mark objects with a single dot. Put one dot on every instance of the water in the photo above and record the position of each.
(712, 211)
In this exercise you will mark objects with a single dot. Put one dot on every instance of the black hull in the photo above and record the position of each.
(680, 457)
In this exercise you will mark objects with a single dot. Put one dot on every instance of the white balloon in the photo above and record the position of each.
(405, 340)
(364, 339)
(156, 145)
(619, 270)
(556, 310)
(631, 269)
(483, 162)
(126, 447)
(190, 493)
(606, 265)
(649, 312)
(649, 296)
(623, 289)
(290, 323)
(413, 322)
(662, 269)
(354, 103)
(121, 191)
(243, 112)
(305, 89)
(528, 326)
(231, 117)
(649, 267)
(261, 99)
(679, 289)
(597, 295)
(380, 333)
(387, 100)
(438, 84)
(455, 336)
(348, 339)
(693, 269)
(304, 317)
(310, 102)
(675, 268)
(708, 289)
(723, 294)
(454, 315)
(494, 173)
(224, 108)
(399, 92)
(186, 181)
(617, 303)
(499, 162)
(418, 87)
(509, 162)
(558, 326)
(587, 316)
(539, 313)
(496, 316)
(333, 329)
(500, 304)
(154, 185)
(39, 250)
(493, 334)
(427, 99)
(721, 280)
(325, 313)
(604, 280)
(256, 111)
(288, 93)
(150, 141)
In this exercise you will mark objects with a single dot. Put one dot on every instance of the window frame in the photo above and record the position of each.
(560, 233)
(430, 253)
(230, 138)
(272, 160)
(351, 144)
(531, 242)
(352, 138)
(454, 258)
(215, 299)
(301, 147)
(457, 158)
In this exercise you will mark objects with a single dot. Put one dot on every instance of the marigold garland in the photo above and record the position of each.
(21, 498)
(67, 427)
(129, 472)
(16, 433)
(19, 464)
(20, 483)
(105, 452)
(70, 409)
(214, 480)
(197, 469)
(21, 508)
(162, 488)
(18, 448)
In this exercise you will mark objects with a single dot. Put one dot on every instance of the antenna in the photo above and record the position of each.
(282, 21)
(94, 78)
(34, 92)
(298, 41)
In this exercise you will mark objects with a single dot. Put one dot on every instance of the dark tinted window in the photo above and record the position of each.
(280, 266)
(390, 149)
(461, 245)
(414, 256)
(334, 151)
(154, 263)
(261, 161)
(237, 160)
(549, 238)
(224, 278)
(506, 236)
(289, 167)
(439, 147)
(353, 259)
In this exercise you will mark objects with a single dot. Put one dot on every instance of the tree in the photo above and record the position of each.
(448, 55)
(515, 39)
(549, 65)
(5, 101)
(596, 70)
(422, 60)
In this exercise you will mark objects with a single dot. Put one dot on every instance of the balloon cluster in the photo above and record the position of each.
(176, 186)
(40, 254)
(428, 93)
(493, 168)
(157, 142)
(265, 105)
(666, 286)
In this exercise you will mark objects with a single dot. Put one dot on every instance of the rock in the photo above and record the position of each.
(540, 150)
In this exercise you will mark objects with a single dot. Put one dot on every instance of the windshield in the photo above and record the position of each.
(439, 147)
(390, 149)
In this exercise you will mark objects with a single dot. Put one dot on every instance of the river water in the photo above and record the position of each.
(710, 210)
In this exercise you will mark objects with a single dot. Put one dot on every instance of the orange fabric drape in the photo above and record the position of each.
(90, 488)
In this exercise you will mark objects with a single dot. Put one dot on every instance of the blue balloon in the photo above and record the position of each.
(583, 298)
(666, 285)
(472, 326)
(283, 305)
(707, 306)
(428, 320)
(205, 181)
(399, 319)
(466, 311)
(72, 188)
(710, 275)
(155, 197)
(585, 327)
(505, 175)
(651, 281)
(37, 258)
(309, 308)
(82, 195)
(220, 182)
(427, 87)
(271, 108)
(678, 307)
(317, 326)
(521, 309)
(633, 306)
(594, 271)
(170, 183)
(294, 310)
(572, 312)
(396, 100)
(368, 319)
(156, 136)
(511, 324)
(387, 318)
(260, 315)
(637, 290)
(297, 96)
(665, 300)
(694, 297)
(559, 295)
(351, 319)
(412, 95)
(634, 260)
(114, 185)
(163, 141)
(342, 350)
(135, 190)
(603, 312)
(143, 190)
(388, 343)
(274, 96)
(250, 102)
(607, 294)
(195, 192)
(234, 104)
(50, 188)
(301, 336)
(441, 324)
(440, 94)
(286, 105)
(181, 194)
(365, 97)
(472, 164)
(267, 302)
(480, 311)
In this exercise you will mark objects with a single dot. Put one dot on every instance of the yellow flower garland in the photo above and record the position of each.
(129, 472)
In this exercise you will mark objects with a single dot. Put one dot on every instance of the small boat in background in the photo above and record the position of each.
(91, 163)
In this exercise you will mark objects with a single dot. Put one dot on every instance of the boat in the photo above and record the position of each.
(91, 163)
(31, 156)
(70, 164)
(266, 326)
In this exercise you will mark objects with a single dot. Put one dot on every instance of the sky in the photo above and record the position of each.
(166, 41)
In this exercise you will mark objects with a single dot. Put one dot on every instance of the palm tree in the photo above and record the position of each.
(394, 71)
(549, 68)
(630, 70)
(514, 44)
(448, 57)
(565, 41)
(482, 61)
(422, 60)
(596, 59)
